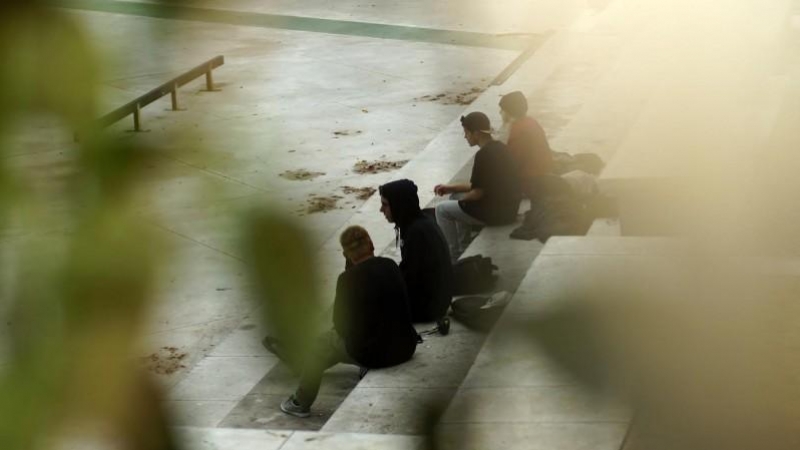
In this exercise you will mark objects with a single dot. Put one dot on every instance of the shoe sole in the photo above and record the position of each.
(301, 415)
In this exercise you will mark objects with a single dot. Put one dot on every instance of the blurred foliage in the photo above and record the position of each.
(701, 346)
(48, 66)
(76, 299)
(286, 280)
(80, 268)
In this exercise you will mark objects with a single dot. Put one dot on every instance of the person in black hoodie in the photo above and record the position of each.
(371, 322)
(425, 256)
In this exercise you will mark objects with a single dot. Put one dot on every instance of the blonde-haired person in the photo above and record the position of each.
(371, 321)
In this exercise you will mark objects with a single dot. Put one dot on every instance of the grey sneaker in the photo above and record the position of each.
(293, 408)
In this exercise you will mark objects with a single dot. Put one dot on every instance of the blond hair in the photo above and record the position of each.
(356, 242)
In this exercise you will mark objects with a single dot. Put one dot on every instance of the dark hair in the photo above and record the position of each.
(515, 104)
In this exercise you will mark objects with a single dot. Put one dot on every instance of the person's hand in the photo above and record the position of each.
(440, 189)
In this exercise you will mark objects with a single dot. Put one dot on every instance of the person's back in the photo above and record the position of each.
(496, 174)
(371, 313)
(425, 255)
(527, 141)
(528, 145)
(371, 324)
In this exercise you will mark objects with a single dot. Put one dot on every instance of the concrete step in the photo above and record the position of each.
(229, 439)
(397, 400)
(515, 396)
(604, 227)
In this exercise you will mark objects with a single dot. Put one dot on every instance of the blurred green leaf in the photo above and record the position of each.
(285, 277)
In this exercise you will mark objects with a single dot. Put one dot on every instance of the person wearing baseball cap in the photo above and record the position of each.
(492, 195)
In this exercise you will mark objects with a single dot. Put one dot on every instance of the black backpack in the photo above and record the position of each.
(473, 275)
(471, 311)
(587, 162)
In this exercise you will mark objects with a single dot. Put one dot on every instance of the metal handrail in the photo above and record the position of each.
(170, 87)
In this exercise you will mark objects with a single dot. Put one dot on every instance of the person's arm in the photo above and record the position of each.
(341, 323)
(412, 265)
(472, 195)
(444, 189)
(405, 308)
(474, 189)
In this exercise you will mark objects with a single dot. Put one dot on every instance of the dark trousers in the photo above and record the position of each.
(328, 350)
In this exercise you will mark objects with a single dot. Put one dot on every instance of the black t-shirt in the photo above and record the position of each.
(371, 313)
(495, 174)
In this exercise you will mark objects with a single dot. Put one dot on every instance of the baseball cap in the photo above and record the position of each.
(476, 121)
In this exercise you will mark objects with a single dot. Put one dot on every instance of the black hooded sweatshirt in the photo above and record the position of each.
(425, 264)
(371, 314)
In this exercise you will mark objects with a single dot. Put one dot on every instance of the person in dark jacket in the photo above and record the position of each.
(371, 321)
(492, 195)
(425, 256)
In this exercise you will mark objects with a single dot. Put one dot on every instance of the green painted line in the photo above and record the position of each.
(341, 27)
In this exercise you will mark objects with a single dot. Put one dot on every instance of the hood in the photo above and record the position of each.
(403, 200)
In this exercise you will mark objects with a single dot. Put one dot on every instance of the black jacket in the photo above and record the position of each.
(371, 315)
(425, 264)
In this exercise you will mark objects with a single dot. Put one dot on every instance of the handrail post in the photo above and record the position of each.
(174, 95)
(134, 107)
(209, 79)
(137, 126)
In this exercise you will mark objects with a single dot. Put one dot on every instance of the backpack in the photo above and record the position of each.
(558, 211)
(473, 275)
(553, 217)
(587, 162)
(478, 313)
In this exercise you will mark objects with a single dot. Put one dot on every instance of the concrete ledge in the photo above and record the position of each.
(514, 390)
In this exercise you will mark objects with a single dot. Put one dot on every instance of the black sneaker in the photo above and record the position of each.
(292, 407)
